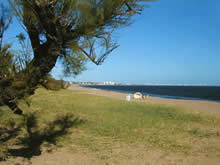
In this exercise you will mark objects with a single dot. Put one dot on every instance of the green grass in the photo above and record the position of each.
(69, 119)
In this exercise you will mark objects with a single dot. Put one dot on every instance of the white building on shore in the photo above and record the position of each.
(109, 83)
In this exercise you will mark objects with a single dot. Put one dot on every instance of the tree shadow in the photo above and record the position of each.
(30, 145)
(7, 134)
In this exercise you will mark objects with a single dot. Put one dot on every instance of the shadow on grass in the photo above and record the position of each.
(30, 145)
(7, 134)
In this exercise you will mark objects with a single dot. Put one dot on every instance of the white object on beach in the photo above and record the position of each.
(138, 95)
(128, 98)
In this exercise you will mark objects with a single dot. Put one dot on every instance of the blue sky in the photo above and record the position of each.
(172, 42)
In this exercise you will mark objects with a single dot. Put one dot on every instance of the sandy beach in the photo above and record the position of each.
(196, 106)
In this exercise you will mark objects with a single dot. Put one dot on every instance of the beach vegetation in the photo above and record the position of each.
(76, 121)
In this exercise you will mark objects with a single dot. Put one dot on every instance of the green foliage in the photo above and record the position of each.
(71, 32)
(24, 55)
(81, 26)
(74, 64)
(6, 62)
(53, 84)
(6, 57)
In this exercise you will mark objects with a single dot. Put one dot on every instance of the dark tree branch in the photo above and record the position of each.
(65, 29)
(101, 59)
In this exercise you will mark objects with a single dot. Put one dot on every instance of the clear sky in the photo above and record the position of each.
(172, 42)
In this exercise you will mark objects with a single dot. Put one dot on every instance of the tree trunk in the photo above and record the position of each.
(25, 83)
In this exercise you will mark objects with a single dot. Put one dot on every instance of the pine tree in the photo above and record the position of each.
(71, 31)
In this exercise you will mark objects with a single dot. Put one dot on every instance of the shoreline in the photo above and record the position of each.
(201, 93)
(196, 106)
(159, 95)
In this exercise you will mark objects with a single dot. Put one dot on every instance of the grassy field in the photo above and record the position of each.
(74, 121)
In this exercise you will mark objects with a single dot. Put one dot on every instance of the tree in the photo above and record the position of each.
(5, 55)
(71, 31)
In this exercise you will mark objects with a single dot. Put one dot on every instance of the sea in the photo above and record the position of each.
(205, 93)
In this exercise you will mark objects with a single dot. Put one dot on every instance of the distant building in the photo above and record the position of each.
(109, 83)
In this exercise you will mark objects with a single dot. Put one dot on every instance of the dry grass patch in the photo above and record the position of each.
(71, 120)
